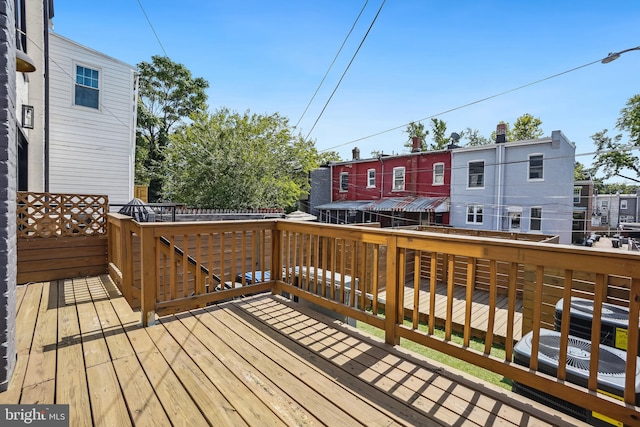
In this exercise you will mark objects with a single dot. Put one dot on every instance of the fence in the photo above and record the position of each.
(338, 269)
(60, 235)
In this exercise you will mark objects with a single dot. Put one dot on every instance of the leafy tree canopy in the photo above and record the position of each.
(615, 157)
(474, 138)
(326, 157)
(615, 187)
(236, 161)
(439, 134)
(525, 127)
(581, 172)
(168, 94)
(416, 130)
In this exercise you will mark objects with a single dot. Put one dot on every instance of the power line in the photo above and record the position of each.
(153, 29)
(332, 62)
(347, 69)
(464, 106)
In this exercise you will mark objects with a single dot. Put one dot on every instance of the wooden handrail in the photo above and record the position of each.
(344, 269)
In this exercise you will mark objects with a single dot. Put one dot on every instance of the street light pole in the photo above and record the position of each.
(615, 55)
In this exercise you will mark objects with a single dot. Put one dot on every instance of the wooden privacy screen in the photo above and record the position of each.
(50, 215)
(61, 236)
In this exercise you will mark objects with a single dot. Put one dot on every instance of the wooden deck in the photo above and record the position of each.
(259, 361)
(479, 310)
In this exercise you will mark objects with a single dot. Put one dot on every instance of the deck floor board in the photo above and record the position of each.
(255, 361)
(479, 310)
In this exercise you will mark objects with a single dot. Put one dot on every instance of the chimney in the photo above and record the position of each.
(415, 144)
(501, 133)
(356, 153)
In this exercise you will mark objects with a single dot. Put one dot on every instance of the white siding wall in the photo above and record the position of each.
(91, 150)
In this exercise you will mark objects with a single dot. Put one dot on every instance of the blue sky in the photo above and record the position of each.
(420, 59)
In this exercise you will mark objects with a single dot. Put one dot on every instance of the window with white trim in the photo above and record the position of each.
(577, 192)
(438, 174)
(514, 221)
(536, 171)
(476, 174)
(535, 223)
(371, 178)
(398, 179)
(87, 87)
(344, 181)
(623, 204)
(475, 214)
(604, 204)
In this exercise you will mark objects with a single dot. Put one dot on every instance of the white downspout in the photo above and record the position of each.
(499, 190)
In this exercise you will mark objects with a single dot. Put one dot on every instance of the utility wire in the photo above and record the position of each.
(463, 106)
(332, 62)
(153, 29)
(347, 69)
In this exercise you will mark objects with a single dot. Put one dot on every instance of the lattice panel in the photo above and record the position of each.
(61, 215)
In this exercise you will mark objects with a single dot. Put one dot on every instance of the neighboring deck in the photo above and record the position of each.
(479, 311)
(254, 361)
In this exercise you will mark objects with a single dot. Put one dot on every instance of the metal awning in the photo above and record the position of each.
(356, 205)
(410, 204)
(300, 216)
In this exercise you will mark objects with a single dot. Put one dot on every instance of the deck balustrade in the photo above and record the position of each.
(171, 267)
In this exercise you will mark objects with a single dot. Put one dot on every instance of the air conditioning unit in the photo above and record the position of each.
(613, 326)
(611, 372)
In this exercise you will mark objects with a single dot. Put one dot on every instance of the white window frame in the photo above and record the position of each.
(76, 84)
(438, 176)
(344, 182)
(398, 178)
(604, 204)
(515, 221)
(577, 194)
(475, 211)
(469, 186)
(371, 178)
(623, 205)
(541, 178)
(538, 219)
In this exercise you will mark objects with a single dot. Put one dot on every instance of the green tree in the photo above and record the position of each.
(617, 158)
(526, 127)
(474, 138)
(615, 187)
(413, 130)
(326, 157)
(439, 134)
(581, 172)
(168, 94)
(236, 161)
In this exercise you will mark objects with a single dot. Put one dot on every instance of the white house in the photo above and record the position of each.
(521, 186)
(92, 122)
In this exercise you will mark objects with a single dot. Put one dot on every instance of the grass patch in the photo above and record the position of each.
(445, 359)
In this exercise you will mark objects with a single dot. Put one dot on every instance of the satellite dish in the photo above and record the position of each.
(455, 137)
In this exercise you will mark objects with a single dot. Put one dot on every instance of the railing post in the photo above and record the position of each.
(126, 260)
(391, 305)
(276, 254)
(149, 274)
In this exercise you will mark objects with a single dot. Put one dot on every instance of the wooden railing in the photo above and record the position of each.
(344, 269)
